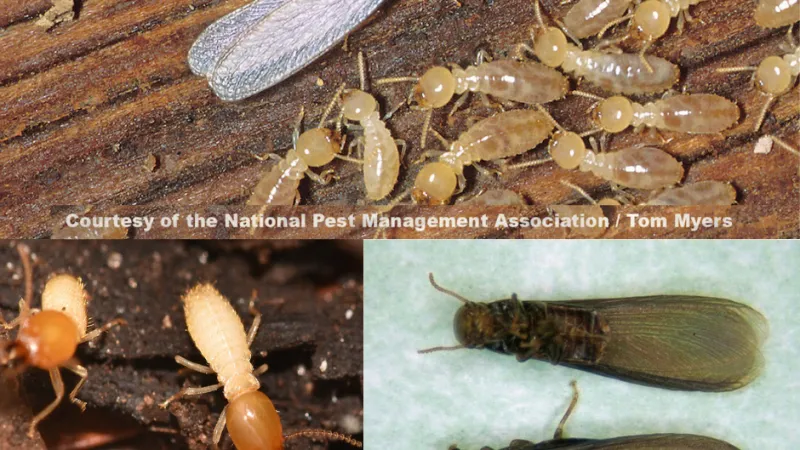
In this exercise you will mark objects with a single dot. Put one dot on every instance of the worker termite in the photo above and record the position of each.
(685, 113)
(774, 77)
(381, 158)
(615, 72)
(313, 148)
(589, 17)
(525, 82)
(217, 331)
(777, 13)
(638, 167)
(500, 136)
(48, 337)
(647, 441)
(700, 193)
(676, 342)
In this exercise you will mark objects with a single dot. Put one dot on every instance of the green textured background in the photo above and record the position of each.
(477, 398)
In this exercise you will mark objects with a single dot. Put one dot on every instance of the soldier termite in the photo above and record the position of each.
(217, 331)
(621, 73)
(48, 338)
(774, 77)
(381, 158)
(263, 43)
(313, 148)
(685, 113)
(525, 82)
(676, 342)
(500, 136)
(777, 13)
(641, 442)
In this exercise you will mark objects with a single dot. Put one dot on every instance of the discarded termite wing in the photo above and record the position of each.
(677, 342)
(644, 442)
(265, 42)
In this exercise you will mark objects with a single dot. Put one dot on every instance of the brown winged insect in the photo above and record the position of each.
(669, 341)
(642, 442)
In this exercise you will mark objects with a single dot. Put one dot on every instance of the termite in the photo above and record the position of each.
(685, 113)
(700, 193)
(678, 342)
(640, 442)
(313, 148)
(500, 136)
(589, 17)
(651, 20)
(48, 337)
(218, 332)
(620, 73)
(637, 167)
(774, 77)
(777, 13)
(381, 158)
(525, 82)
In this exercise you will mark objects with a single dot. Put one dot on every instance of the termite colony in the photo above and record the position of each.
(632, 90)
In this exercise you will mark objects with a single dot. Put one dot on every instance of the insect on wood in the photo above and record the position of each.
(217, 331)
(641, 442)
(48, 337)
(676, 342)
(263, 43)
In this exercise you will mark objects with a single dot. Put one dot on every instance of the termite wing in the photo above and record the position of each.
(265, 42)
(675, 342)
(640, 442)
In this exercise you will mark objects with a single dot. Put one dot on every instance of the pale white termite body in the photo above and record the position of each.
(700, 193)
(589, 17)
(635, 167)
(777, 13)
(218, 333)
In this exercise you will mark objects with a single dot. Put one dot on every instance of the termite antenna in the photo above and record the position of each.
(330, 435)
(560, 429)
(439, 349)
(331, 105)
(447, 291)
(763, 113)
(25, 257)
(362, 71)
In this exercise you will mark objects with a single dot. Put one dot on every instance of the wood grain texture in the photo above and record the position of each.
(86, 106)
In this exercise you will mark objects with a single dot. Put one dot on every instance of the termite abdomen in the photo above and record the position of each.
(668, 341)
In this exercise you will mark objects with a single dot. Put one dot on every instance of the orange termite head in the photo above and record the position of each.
(253, 422)
(474, 325)
(48, 339)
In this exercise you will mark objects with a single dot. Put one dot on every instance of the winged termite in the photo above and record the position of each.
(641, 442)
(677, 342)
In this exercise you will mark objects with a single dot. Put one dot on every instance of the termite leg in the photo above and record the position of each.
(392, 111)
(24, 312)
(560, 429)
(459, 103)
(80, 371)
(324, 177)
(58, 387)
(402, 147)
(95, 333)
(613, 23)
(482, 56)
(190, 392)
(522, 49)
(273, 156)
(261, 370)
(219, 428)
(251, 333)
(194, 366)
(427, 154)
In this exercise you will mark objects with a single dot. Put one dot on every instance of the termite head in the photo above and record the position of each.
(567, 149)
(253, 422)
(435, 88)
(357, 105)
(652, 18)
(474, 325)
(774, 76)
(318, 146)
(48, 339)
(613, 114)
(550, 46)
(434, 184)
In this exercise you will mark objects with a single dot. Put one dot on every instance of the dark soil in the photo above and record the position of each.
(311, 342)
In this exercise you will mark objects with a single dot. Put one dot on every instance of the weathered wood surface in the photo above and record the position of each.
(84, 105)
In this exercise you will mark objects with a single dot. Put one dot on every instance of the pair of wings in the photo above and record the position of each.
(263, 43)
(644, 442)
(678, 342)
